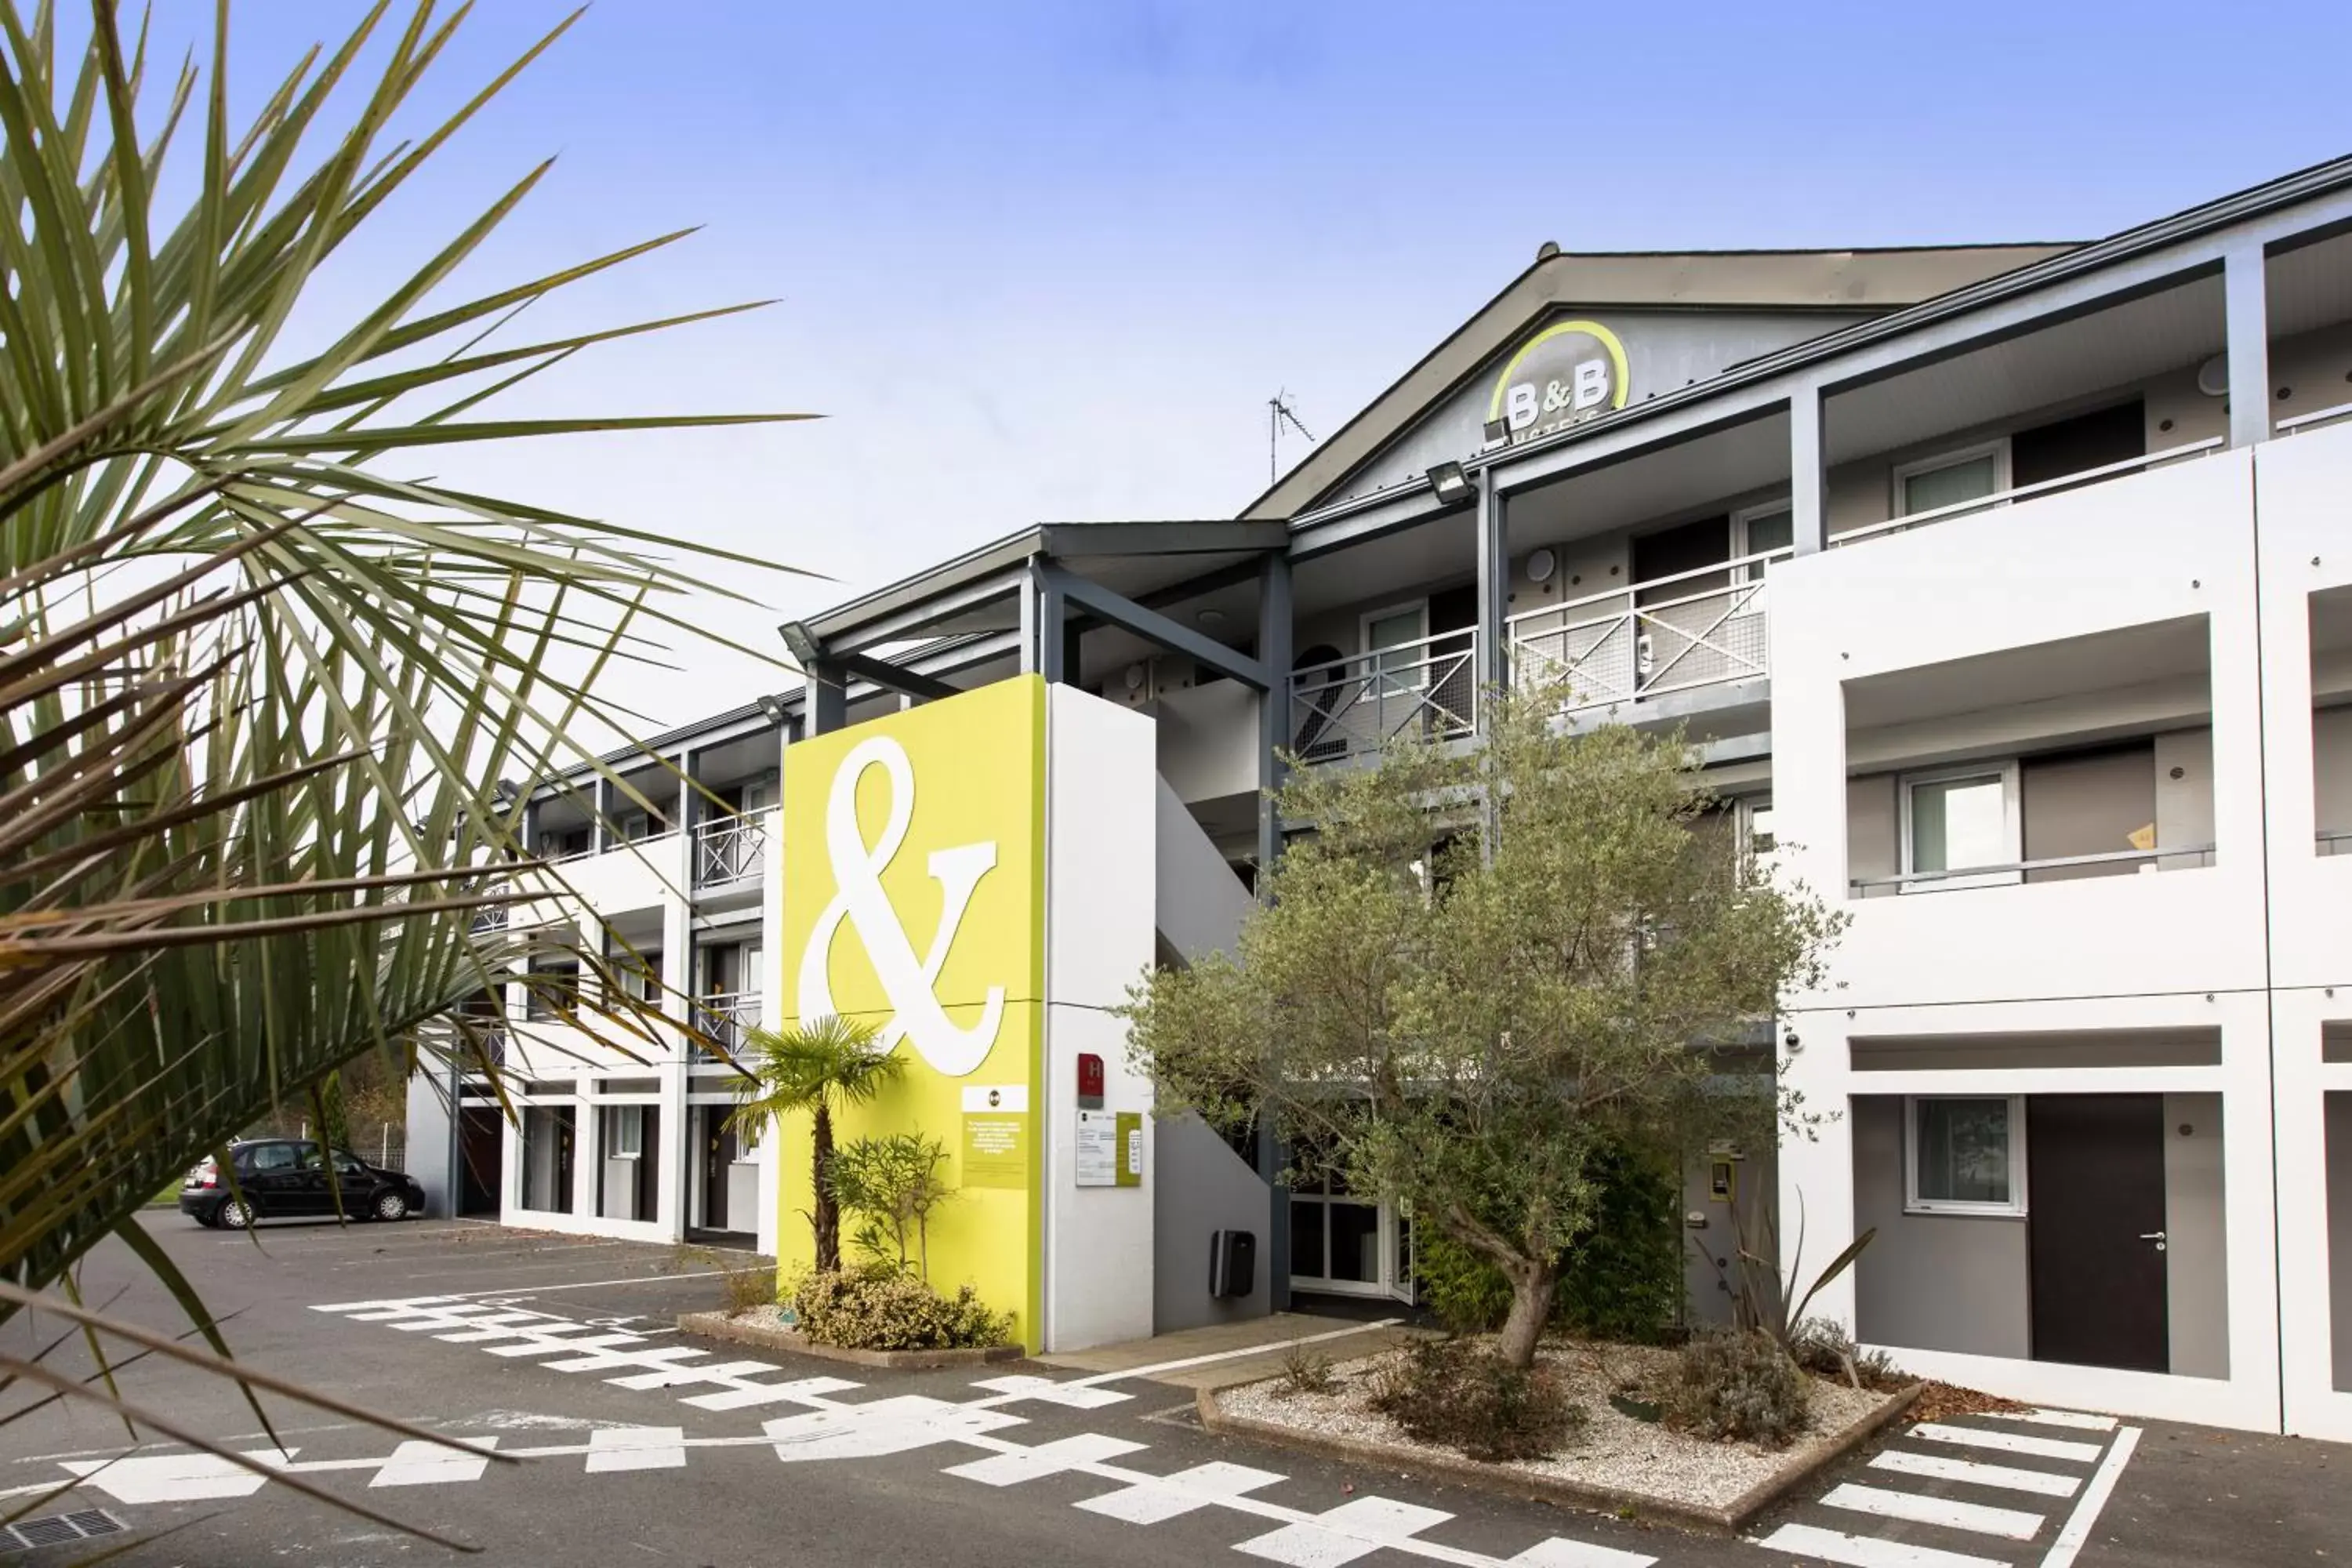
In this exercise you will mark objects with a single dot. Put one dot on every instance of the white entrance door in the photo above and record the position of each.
(1348, 1245)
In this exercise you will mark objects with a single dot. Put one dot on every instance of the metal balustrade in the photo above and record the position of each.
(726, 1018)
(1351, 707)
(730, 849)
(1708, 629)
(2115, 862)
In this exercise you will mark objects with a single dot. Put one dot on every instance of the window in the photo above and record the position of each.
(562, 843)
(1758, 531)
(1958, 819)
(1756, 841)
(627, 1133)
(1951, 478)
(1964, 1154)
(272, 1157)
(1399, 627)
(348, 1167)
(553, 992)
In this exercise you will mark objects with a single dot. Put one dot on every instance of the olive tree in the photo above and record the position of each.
(1473, 970)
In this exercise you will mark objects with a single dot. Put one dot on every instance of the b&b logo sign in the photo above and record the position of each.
(1568, 372)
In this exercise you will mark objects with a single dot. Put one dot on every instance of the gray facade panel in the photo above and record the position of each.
(1940, 1282)
(1200, 1187)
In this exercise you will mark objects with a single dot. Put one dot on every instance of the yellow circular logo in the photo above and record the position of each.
(1570, 372)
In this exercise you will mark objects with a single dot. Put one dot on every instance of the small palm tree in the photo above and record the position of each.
(814, 1065)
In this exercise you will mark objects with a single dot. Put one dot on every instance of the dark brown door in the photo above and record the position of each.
(718, 1154)
(2095, 1175)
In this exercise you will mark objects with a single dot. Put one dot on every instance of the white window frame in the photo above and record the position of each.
(1997, 449)
(2012, 817)
(628, 1132)
(1739, 541)
(1420, 677)
(2015, 1208)
(1745, 807)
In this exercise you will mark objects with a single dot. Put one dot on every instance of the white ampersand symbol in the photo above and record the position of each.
(915, 1013)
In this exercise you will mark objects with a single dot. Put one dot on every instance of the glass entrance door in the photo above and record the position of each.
(1345, 1244)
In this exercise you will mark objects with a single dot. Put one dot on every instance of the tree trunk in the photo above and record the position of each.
(1531, 1291)
(825, 1214)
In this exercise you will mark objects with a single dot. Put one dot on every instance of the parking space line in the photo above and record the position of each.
(2079, 1523)
(1866, 1550)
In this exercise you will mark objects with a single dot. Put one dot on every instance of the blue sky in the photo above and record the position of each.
(1048, 260)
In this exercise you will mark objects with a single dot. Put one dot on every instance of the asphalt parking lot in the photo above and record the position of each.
(636, 1443)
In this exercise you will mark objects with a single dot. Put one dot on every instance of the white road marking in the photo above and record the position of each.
(1935, 1466)
(177, 1478)
(1044, 1460)
(2014, 1523)
(1077, 1397)
(800, 1393)
(2079, 1524)
(678, 1376)
(2074, 1418)
(418, 1463)
(1166, 1496)
(636, 1448)
(880, 1426)
(2008, 1442)
(1866, 1552)
(1559, 1553)
(1353, 1530)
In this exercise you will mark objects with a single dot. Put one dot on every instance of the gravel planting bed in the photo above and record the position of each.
(1613, 1451)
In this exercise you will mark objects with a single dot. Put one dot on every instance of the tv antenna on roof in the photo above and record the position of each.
(1279, 413)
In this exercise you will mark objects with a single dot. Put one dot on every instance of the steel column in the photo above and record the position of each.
(1274, 730)
(1493, 662)
(2246, 307)
(1808, 471)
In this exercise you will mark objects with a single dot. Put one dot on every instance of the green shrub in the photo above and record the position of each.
(1622, 1281)
(1738, 1385)
(1456, 1393)
(880, 1307)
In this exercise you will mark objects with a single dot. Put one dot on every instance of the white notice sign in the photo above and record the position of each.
(1098, 1148)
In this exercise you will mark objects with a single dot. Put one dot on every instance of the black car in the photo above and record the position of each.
(283, 1178)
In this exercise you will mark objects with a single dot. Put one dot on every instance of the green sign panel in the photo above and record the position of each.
(1130, 1148)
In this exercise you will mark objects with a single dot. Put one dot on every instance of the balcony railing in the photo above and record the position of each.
(2111, 862)
(727, 1018)
(1697, 628)
(2028, 492)
(1349, 707)
(731, 849)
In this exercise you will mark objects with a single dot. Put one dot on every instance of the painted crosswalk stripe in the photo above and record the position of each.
(2008, 1442)
(2014, 1523)
(1342, 1534)
(1559, 1553)
(677, 1374)
(1077, 1397)
(760, 1394)
(1866, 1550)
(636, 1448)
(2074, 1418)
(1017, 1464)
(1935, 1466)
(1167, 1496)
(421, 1464)
(178, 1478)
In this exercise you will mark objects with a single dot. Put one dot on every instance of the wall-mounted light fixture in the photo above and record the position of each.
(1452, 485)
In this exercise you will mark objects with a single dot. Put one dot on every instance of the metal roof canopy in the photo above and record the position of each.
(2282, 217)
(979, 592)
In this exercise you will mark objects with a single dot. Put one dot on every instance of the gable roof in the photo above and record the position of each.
(1840, 282)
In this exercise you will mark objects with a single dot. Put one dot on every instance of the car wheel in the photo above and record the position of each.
(235, 1214)
(391, 1205)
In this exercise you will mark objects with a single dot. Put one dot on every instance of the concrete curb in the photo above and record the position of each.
(1505, 1482)
(720, 1326)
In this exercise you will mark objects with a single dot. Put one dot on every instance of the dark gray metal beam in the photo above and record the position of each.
(824, 703)
(1161, 538)
(1152, 627)
(897, 678)
(1493, 663)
